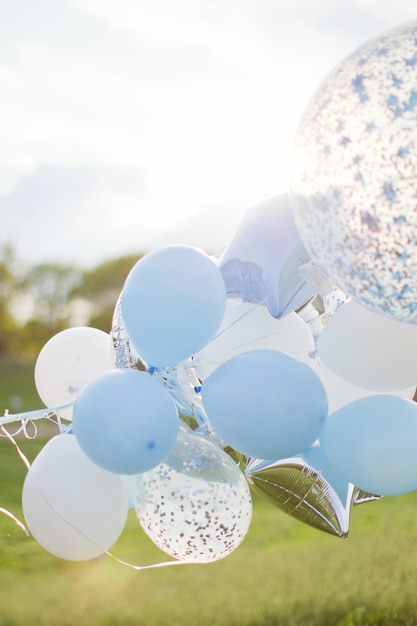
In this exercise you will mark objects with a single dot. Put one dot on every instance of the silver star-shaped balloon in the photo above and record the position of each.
(307, 487)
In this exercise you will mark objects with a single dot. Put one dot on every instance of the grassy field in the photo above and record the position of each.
(285, 573)
(17, 388)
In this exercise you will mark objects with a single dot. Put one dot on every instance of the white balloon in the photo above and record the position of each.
(247, 326)
(340, 392)
(369, 350)
(73, 508)
(68, 361)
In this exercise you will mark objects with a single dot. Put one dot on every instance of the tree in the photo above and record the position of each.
(51, 286)
(7, 287)
(102, 286)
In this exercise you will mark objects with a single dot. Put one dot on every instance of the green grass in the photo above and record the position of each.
(17, 388)
(285, 573)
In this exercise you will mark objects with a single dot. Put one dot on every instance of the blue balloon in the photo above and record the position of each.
(372, 442)
(261, 263)
(125, 421)
(172, 303)
(265, 404)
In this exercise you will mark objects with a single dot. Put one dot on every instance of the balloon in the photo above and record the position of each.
(265, 404)
(125, 421)
(371, 442)
(308, 488)
(331, 297)
(196, 506)
(68, 361)
(340, 392)
(172, 304)
(261, 262)
(184, 388)
(315, 318)
(369, 350)
(353, 182)
(246, 327)
(126, 355)
(74, 509)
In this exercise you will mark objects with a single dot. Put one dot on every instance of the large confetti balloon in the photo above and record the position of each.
(354, 175)
(196, 506)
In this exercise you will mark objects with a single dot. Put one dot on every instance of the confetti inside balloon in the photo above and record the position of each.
(196, 506)
(354, 175)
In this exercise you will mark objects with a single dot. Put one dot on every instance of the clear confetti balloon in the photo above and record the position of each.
(355, 167)
(196, 506)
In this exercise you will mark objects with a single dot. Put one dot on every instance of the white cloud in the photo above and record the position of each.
(157, 22)
(175, 106)
(31, 54)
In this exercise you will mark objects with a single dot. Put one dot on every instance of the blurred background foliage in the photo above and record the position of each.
(37, 302)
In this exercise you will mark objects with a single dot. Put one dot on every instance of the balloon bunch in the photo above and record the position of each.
(147, 417)
(285, 366)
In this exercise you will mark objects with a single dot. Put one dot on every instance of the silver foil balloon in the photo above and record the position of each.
(308, 488)
(126, 355)
(261, 262)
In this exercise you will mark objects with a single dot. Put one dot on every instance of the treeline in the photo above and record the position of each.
(39, 301)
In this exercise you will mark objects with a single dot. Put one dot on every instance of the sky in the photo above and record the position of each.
(127, 125)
